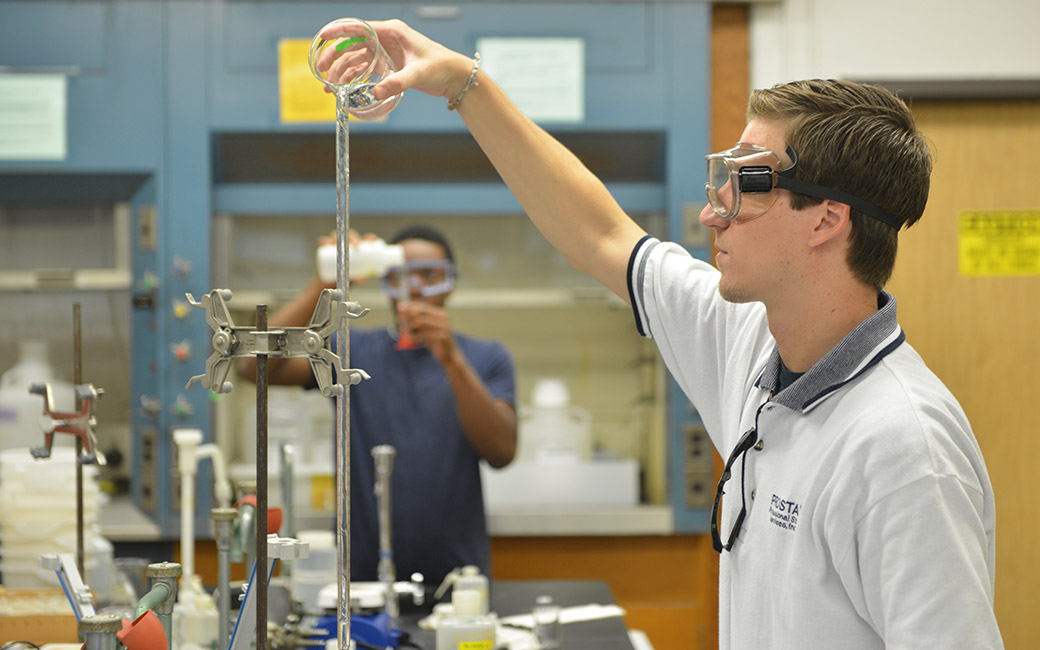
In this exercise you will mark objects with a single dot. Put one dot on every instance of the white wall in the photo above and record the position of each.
(872, 40)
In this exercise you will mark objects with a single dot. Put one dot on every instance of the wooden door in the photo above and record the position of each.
(981, 334)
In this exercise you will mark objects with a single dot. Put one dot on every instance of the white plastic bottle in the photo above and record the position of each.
(20, 410)
(551, 430)
(470, 579)
(369, 259)
(466, 628)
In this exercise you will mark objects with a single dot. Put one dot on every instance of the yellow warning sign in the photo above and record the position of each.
(301, 97)
(999, 243)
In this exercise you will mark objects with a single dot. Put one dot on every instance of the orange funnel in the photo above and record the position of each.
(145, 633)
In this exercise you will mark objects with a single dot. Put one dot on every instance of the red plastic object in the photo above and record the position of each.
(274, 515)
(274, 520)
(405, 341)
(145, 633)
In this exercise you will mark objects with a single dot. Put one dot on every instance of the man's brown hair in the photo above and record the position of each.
(860, 139)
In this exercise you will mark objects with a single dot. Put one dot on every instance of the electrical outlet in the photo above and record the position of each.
(148, 470)
(148, 494)
(694, 234)
(148, 449)
(698, 446)
(699, 490)
(147, 236)
(698, 465)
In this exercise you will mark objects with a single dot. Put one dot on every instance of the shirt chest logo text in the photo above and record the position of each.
(783, 513)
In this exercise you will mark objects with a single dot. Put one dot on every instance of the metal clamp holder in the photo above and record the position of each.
(79, 424)
(311, 342)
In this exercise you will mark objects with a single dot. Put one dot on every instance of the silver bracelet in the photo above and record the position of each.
(453, 104)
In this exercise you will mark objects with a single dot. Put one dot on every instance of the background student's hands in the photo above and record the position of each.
(428, 324)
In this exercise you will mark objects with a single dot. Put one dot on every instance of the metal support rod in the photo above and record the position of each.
(288, 475)
(77, 380)
(383, 455)
(223, 530)
(261, 484)
(154, 597)
(166, 573)
(343, 350)
(99, 632)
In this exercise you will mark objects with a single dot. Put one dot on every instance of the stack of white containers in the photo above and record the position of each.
(312, 573)
(38, 516)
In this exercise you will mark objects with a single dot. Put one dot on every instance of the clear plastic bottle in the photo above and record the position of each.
(19, 409)
(466, 627)
(369, 259)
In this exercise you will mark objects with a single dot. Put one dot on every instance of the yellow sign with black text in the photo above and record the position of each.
(996, 243)
(301, 97)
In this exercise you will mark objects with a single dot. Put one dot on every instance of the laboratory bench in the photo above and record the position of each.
(120, 520)
(665, 581)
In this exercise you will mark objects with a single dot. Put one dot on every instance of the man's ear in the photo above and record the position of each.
(833, 221)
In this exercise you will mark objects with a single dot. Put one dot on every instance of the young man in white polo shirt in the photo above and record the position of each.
(858, 512)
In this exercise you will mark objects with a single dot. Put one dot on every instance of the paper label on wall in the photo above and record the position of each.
(33, 111)
(544, 77)
(301, 97)
(997, 243)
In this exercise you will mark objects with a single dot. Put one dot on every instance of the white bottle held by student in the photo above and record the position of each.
(369, 258)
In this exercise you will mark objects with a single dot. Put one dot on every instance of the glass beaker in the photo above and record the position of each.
(546, 616)
(347, 57)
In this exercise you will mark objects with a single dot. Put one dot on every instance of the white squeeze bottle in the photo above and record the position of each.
(466, 628)
(370, 258)
(470, 579)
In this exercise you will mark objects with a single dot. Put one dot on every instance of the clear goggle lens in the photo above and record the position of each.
(428, 277)
(740, 181)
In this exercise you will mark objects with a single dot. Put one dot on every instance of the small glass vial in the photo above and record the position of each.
(546, 616)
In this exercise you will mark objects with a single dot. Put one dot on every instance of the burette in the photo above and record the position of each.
(346, 57)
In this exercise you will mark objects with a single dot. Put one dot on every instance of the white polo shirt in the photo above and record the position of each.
(870, 516)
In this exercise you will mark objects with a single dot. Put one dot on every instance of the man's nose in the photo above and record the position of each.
(414, 287)
(709, 219)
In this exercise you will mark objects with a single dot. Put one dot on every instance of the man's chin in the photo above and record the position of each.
(735, 294)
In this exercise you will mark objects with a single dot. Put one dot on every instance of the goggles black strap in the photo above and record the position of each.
(785, 180)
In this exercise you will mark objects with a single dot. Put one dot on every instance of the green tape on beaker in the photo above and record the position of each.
(350, 41)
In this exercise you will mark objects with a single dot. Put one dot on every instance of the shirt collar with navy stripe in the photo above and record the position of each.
(861, 349)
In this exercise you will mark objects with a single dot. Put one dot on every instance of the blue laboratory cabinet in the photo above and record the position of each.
(173, 107)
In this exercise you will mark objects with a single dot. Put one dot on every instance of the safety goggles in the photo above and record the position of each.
(429, 277)
(742, 180)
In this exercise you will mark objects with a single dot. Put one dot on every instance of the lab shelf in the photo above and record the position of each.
(374, 198)
(530, 298)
